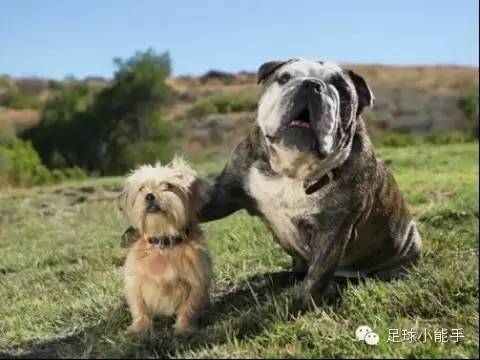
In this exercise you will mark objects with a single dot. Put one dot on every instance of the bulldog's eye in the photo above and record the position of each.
(284, 78)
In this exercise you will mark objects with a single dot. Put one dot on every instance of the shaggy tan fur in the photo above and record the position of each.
(172, 280)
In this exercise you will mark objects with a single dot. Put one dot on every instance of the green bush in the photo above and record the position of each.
(468, 104)
(18, 101)
(74, 173)
(99, 131)
(399, 140)
(20, 165)
(59, 137)
(403, 140)
(222, 104)
(447, 138)
(202, 108)
(227, 104)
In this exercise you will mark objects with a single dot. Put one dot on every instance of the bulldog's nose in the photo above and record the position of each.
(150, 197)
(311, 85)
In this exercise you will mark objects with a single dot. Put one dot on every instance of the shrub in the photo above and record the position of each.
(202, 108)
(399, 140)
(447, 138)
(13, 97)
(59, 137)
(223, 104)
(468, 104)
(226, 104)
(74, 173)
(20, 165)
(99, 131)
(402, 140)
(18, 101)
(225, 77)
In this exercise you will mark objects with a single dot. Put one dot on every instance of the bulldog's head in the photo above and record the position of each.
(307, 114)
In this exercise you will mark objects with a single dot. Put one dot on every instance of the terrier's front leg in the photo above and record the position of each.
(188, 314)
(142, 320)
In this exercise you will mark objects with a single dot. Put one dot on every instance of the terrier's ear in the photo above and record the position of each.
(129, 237)
(183, 171)
(365, 95)
(267, 69)
(180, 163)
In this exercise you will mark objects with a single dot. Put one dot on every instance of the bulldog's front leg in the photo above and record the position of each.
(330, 248)
(227, 196)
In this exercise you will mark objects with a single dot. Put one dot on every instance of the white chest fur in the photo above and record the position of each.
(280, 200)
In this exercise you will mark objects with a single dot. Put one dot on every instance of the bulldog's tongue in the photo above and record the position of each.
(302, 119)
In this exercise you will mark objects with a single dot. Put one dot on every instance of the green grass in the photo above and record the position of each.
(61, 284)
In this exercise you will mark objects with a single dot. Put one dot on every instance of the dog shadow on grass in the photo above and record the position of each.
(242, 310)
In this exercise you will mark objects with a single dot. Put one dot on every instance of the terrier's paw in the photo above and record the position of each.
(139, 326)
(184, 326)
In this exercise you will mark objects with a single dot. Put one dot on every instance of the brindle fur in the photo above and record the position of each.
(360, 224)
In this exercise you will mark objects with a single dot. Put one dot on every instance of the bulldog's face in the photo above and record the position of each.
(307, 114)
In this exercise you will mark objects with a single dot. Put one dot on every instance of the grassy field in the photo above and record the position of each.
(61, 285)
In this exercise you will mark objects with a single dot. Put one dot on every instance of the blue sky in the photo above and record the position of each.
(56, 38)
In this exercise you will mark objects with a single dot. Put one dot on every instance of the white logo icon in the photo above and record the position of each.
(365, 333)
(362, 331)
(371, 338)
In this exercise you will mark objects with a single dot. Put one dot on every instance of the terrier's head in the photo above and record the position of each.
(162, 200)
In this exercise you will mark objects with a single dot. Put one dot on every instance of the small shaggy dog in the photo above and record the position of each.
(168, 267)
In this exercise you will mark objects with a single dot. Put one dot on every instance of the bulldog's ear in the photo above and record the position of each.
(365, 95)
(265, 70)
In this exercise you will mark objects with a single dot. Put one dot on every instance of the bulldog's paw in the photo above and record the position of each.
(299, 305)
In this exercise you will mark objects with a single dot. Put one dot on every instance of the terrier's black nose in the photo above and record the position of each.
(150, 197)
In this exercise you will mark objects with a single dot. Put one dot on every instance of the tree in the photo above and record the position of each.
(112, 131)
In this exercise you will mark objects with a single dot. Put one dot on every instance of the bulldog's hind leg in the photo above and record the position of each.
(409, 255)
(396, 272)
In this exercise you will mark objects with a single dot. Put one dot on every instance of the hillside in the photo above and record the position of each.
(409, 99)
(413, 99)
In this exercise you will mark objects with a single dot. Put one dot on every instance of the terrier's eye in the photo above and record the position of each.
(168, 187)
(284, 78)
(141, 188)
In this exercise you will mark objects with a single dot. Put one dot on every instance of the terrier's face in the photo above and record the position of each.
(161, 200)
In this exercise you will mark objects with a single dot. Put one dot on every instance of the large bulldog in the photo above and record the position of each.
(309, 171)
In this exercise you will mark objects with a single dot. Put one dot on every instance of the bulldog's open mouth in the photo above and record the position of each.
(302, 119)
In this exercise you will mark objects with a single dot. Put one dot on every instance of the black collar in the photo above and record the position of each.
(164, 241)
(324, 180)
